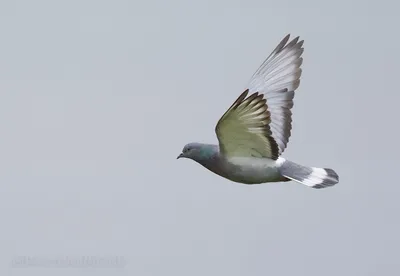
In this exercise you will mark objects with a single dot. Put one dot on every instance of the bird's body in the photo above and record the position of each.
(254, 131)
(252, 170)
(247, 170)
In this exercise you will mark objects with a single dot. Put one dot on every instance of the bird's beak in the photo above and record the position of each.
(179, 156)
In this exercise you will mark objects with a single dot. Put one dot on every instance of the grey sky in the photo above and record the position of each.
(99, 97)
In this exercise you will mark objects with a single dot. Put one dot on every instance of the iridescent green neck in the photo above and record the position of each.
(206, 151)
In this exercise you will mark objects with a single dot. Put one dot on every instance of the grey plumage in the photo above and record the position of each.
(255, 130)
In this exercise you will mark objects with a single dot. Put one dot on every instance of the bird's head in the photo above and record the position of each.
(197, 151)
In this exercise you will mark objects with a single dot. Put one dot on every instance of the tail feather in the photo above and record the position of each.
(313, 177)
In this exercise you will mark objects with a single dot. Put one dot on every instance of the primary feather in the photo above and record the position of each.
(277, 78)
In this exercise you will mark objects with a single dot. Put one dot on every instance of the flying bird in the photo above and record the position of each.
(254, 132)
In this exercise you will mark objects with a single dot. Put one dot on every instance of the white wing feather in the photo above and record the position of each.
(277, 78)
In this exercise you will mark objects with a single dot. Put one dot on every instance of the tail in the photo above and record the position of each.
(313, 177)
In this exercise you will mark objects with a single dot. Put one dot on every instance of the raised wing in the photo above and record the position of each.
(260, 125)
(277, 78)
(243, 130)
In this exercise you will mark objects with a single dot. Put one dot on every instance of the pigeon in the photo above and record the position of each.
(254, 132)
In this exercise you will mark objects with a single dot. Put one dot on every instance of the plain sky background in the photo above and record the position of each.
(99, 97)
